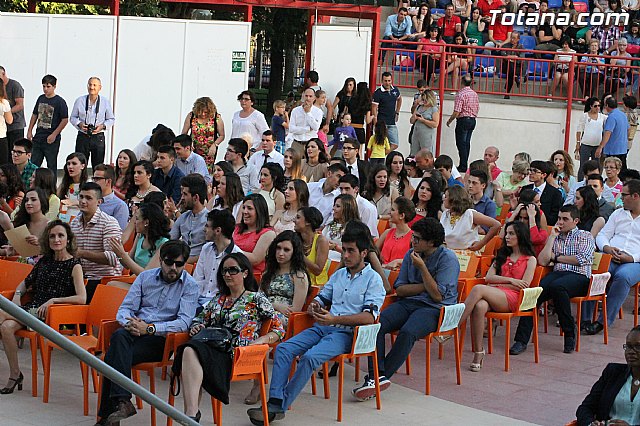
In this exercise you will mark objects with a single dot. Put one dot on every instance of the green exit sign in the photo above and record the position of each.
(238, 61)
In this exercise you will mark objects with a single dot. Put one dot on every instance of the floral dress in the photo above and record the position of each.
(203, 136)
(244, 315)
(281, 290)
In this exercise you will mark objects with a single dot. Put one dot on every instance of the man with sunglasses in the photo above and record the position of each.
(161, 300)
(236, 156)
(353, 296)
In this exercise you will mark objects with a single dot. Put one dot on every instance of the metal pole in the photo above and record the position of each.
(94, 362)
(567, 126)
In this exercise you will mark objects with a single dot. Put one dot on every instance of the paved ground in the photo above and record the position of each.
(546, 393)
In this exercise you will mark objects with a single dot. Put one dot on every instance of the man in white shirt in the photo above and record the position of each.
(305, 121)
(267, 154)
(620, 238)
(188, 161)
(323, 192)
(218, 232)
(349, 184)
(235, 155)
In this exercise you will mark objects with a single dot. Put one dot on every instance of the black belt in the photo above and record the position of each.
(462, 118)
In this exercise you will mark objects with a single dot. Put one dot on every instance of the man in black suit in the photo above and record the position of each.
(550, 197)
(357, 167)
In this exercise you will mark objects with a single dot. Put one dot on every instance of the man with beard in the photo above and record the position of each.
(189, 227)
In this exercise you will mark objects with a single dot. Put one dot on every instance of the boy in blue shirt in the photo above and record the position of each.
(279, 124)
(444, 164)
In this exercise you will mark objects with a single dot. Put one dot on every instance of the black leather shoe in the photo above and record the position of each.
(257, 418)
(124, 411)
(594, 328)
(517, 348)
(569, 344)
(584, 325)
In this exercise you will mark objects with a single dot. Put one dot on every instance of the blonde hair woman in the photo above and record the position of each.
(425, 117)
(206, 128)
(292, 167)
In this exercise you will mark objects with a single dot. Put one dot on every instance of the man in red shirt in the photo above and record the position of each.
(499, 34)
(449, 24)
(486, 6)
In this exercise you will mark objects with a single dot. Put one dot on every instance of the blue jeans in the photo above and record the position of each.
(623, 277)
(464, 130)
(314, 346)
(392, 134)
(414, 320)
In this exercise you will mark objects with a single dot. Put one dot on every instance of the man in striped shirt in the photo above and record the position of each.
(571, 251)
(93, 229)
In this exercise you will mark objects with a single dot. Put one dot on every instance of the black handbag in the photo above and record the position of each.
(220, 338)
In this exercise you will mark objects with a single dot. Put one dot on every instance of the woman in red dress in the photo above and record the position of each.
(516, 263)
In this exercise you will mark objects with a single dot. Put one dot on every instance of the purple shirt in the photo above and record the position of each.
(341, 134)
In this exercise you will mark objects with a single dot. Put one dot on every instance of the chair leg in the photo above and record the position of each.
(84, 371)
(507, 335)
(407, 365)
(263, 399)
(152, 389)
(171, 402)
(536, 352)
(606, 322)
(546, 317)
(376, 377)
(265, 371)
(490, 336)
(135, 376)
(340, 386)
(33, 342)
(457, 356)
(427, 387)
(47, 374)
(620, 314)
(635, 305)
(325, 379)
(94, 378)
(219, 411)
(579, 316)
(314, 389)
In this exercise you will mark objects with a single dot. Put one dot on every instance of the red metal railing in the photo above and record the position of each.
(516, 73)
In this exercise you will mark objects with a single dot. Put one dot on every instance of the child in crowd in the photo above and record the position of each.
(630, 105)
(378, 146)
(341, 133)
(412, 168)
(279, 124)
(444, 164)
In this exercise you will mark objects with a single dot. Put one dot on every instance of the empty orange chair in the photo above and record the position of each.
(11, 275)
(447, 326)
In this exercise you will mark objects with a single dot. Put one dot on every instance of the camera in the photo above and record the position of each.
(90, 129)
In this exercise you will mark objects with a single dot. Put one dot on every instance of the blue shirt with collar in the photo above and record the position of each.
(487, 207)
(618, 125)
(194, 164)
(443, 266)
(168, 306)
(189, 228)
(451, 182)
(349, 295)
(392, 28)
(169, 184)
(115, 207)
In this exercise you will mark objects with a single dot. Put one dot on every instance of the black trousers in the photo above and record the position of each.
(126, 350)
(44, 150)
(559, 286)
(92, 147)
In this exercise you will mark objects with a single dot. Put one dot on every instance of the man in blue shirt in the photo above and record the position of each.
(160, 301)
(167, 176)
(397, 28)
(385, 106)
(352, 297)
(444, 164)
(476, 184)
(188, 161)
(614, 140)
(104, 176)
(427, 281)
(189, 227)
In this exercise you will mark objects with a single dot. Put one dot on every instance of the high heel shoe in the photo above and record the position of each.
(197, 417)
(476, 366)
(16, 382)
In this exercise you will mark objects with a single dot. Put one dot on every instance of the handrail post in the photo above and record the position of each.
(567, 126)
(441, 81)
(92, 361)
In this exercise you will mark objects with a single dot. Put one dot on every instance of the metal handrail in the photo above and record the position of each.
(94, 362)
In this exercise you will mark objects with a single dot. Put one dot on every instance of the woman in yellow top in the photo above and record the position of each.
(316, 246)
(378, 146)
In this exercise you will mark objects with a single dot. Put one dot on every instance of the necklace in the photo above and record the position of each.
(397, 236)
(139, 195)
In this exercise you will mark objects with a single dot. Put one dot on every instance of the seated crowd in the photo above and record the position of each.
(242, 243)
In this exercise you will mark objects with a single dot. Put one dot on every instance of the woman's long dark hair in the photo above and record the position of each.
(14, 182)
(524, 244)
(262, 213)
(233, 192)
(403, 176)
(323, 157)
(67, 180)
(128, 174)
(590, 210)
(371, 187)
(249, 282)
(45, 179)
(148, 168)
(362, 102)
(297, 266)
(24, 218)
(277, 176)
(159, 225)
(435, 203)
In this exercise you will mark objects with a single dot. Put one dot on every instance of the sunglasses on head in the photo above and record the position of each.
(178, 263)
(232, 270)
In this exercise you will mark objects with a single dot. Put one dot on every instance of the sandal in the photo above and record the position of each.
(477, 366)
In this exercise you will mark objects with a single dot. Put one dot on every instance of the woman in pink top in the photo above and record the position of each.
(395, 242)
(253, 235)
(429, 52)
(516, 262)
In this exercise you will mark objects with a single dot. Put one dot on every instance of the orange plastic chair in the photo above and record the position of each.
(122, 278)
(129, 244)
(189, 267)
(527, 307)
(383, 224)
(104, 306)
(364, 345)
(468, 266)
(11, 275)
(298, 322)
(636, 293)
(333, 266)
(596, 293)
(447, 326)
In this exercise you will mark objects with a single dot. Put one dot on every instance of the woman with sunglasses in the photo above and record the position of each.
(613, 399)
(239, 308)
(531, 215)
(589, 133)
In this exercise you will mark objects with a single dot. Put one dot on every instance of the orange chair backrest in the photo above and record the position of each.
(129, 244)
(601, 263)
(383, 224)
(107, 328)
(468, 265)
(265, 327)
(333, 266)
(189, 267)
(298, 322)
(388, 300)
(461, 290)
(313, 292)
(492, 246)
(105, 304)
(12, 274)
(248, 360)
(393, 276)
(504, 212)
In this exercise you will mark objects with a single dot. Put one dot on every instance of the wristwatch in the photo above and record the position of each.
(151, 329)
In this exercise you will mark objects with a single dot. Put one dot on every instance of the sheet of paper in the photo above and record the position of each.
(17, 240)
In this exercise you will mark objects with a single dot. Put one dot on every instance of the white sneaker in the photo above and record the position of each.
(368, 388)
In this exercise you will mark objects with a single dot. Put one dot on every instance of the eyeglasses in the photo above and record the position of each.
(231, 151)
(635, 348)
(624, 194)
(97, 178)
(178, 263)
(347, 148)
(244, 99)
(415, 238)
(17, 153)
(596, 106)
(233, 270)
